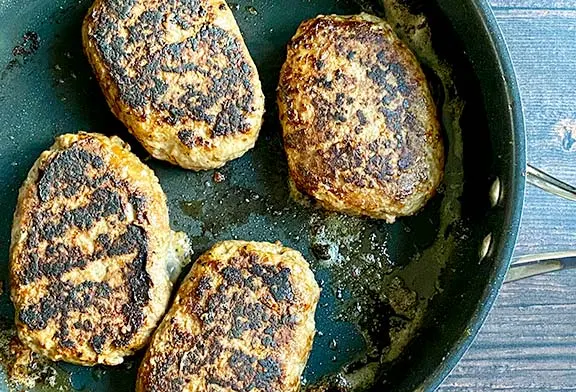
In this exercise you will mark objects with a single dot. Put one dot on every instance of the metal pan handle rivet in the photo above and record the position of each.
(485, 247)
(495, 192)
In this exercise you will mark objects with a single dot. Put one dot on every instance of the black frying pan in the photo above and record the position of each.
(400, 303)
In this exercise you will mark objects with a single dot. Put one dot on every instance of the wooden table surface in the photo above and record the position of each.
(529, 341)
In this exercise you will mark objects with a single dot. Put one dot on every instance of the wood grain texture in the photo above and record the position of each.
(543, 49)
(529, 340)
(534, 4)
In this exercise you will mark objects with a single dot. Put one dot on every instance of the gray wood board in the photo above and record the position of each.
(529, 340)
(528, 343)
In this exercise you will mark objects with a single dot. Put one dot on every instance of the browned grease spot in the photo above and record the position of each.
(219, 177)
(23, 368)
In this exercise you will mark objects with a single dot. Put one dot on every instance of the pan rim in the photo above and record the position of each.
(503, 251)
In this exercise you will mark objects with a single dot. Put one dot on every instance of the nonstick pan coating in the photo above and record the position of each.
(426, 281)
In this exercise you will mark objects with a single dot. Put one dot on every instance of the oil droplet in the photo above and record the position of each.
(339, 294)
(193, 208)
(98, 374)
(252, 10)
(334, 359)
(333, 344)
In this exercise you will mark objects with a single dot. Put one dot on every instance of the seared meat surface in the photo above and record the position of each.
(178, 75)
(360, 127)
(243, 320)
(92, 252)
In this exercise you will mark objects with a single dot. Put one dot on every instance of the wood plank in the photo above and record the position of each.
(534, 4)
(544, 54)
(529, 341)
(531, 13)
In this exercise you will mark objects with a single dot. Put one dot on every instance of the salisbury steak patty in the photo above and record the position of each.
(243, 320)
(92, 252)
(178, 74)
(360, 127)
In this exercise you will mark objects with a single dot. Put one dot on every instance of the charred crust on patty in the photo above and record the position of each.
(244, 298)
(179, 76)
(232, 81)
(89, 250)
(229, 310)
(369, 84)
(70, 172)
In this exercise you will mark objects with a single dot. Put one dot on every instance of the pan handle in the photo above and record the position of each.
(531, 265)
(546, 182)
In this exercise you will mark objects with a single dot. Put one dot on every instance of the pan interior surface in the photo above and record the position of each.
(395, 298)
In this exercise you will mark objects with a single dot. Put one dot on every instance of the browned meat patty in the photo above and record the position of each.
(92, 252)
(360, 127)
(179, 76)
(243, 320)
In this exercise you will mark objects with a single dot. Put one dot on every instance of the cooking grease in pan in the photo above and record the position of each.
(21, 366)
(377, 278)
(387, 301)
